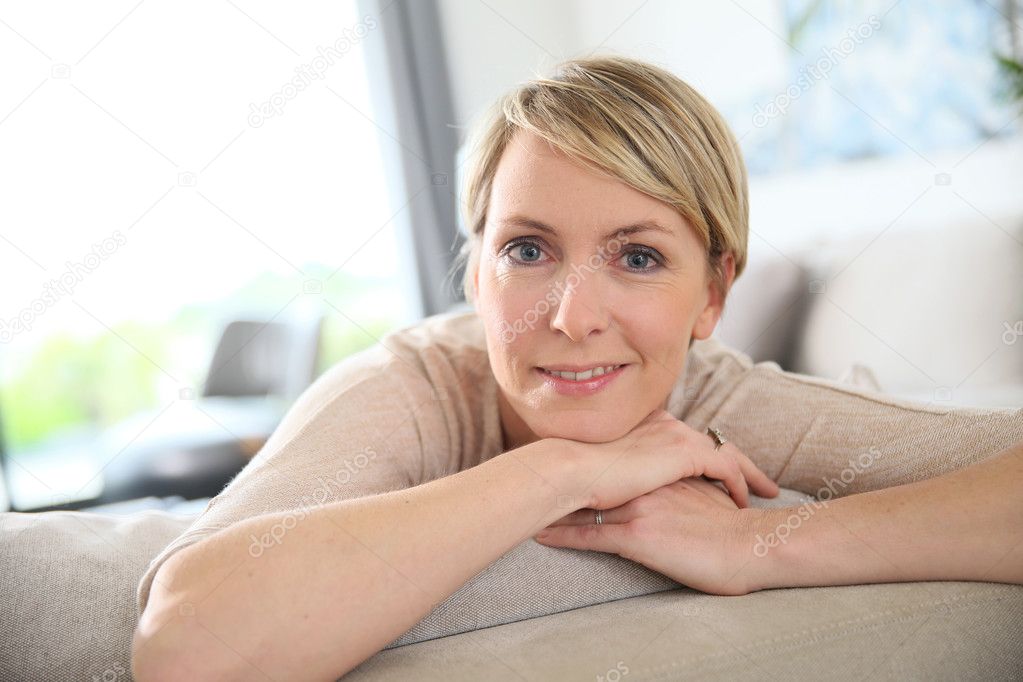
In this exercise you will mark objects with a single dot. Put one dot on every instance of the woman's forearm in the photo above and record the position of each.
(344, 581)
(963, 525)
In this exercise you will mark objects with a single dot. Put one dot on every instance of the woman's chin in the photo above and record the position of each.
(592, 429)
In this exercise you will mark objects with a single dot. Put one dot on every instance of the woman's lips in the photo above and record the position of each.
(579, 388)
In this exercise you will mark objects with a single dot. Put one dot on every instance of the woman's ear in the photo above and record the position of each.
(717, 290)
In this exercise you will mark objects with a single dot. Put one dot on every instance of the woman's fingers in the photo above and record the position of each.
(752, 478)
(725, 468)
(612, 538)
(587, 516)
(759, 482)
(579, 517)
(618, 516)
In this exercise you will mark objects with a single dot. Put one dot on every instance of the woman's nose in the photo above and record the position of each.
(581, 309)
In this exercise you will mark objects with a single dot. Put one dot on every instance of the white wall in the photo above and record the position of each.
(495, 44)
(726, 50)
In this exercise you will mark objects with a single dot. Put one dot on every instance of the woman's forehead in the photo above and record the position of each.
(554, 190)
(529, 158)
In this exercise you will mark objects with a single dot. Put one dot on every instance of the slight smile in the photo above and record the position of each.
(580, 381)
(581, 374)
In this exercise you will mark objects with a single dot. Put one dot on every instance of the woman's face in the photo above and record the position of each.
(584, 294)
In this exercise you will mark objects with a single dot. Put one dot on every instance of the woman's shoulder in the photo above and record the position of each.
(712, 368)
(427, 349)
(439, 368)
(406, 365)
(446, 350)
(710, 358)
(454, 333)
(422, 387)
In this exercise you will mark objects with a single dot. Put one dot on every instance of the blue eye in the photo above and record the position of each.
(637, 259)
(524, 251)
(528, 251)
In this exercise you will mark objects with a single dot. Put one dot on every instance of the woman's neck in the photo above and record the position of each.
(514, 432)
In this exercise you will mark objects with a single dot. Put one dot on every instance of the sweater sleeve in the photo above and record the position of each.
(824, 437)
(358, 430)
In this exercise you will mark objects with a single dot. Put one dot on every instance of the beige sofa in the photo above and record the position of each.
(68, 578)
(68, 583)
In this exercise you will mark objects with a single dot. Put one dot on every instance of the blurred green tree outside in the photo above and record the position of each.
(72, 386)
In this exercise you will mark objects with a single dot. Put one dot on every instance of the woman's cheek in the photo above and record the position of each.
(508, 320)
(523, 304)
(656, 319)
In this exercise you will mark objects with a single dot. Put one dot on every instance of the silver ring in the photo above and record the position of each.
(600, 517)
(719, 439)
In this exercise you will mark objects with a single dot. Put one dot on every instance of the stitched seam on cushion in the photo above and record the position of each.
(795, 449)
(906, 613)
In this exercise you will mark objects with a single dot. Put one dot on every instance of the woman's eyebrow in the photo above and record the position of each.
(641, 226)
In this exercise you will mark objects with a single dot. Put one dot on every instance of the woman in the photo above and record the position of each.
(582, 404)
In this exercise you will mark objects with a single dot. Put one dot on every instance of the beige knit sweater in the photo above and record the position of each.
(422, 404)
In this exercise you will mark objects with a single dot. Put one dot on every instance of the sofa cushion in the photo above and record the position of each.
(932, 310)
(765, 307)
(533, 580)
(68, 582)
(898, 631)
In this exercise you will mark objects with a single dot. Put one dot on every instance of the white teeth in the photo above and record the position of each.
(583, 376)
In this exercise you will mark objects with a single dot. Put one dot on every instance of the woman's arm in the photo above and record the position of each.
(346, 579)
(966, 524)
(962, 525)
(806, 432)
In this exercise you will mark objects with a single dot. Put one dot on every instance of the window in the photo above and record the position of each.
(168, 168)
(882, 79)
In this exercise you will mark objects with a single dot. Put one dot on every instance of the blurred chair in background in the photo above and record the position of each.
(194, 446)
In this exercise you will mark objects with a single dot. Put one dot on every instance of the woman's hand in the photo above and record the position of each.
(658, 451)
(689, 530)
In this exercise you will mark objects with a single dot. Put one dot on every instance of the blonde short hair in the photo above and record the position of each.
(633, 120)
